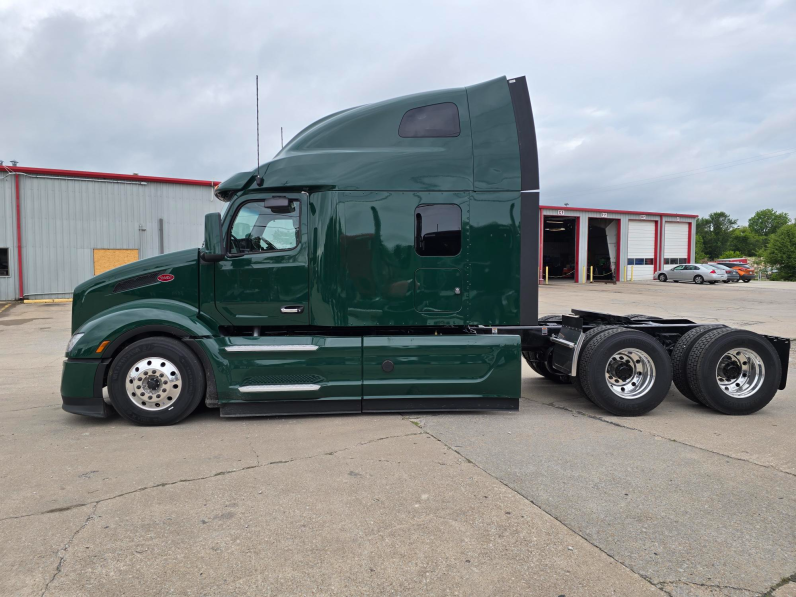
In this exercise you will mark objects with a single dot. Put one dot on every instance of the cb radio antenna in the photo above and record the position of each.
(258, 179)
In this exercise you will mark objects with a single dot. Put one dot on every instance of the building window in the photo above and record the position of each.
(260, 229)
(437, 120)
(438, 230)
(5, 271)
(674, 260)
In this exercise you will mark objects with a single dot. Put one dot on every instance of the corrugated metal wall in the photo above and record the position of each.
(624, 222)
(8, 222)
(65, 219)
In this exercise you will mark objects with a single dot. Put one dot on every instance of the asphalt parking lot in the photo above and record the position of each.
(558, 499)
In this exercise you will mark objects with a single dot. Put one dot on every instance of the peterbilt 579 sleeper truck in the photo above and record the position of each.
(385, 260)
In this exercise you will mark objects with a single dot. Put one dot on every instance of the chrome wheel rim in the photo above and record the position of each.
(630, 373)
(153, 383)
(740, 372)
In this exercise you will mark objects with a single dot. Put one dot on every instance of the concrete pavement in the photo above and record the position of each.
(356, 505)
(558, 499)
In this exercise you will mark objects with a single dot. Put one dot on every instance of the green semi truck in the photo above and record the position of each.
(386, 259)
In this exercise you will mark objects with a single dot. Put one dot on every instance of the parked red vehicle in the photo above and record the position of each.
(747, 273)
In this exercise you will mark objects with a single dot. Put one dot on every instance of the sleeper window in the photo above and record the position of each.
(258, 229)
(438, 230)
(437, 120)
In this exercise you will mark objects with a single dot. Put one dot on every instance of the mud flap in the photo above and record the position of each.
(567, 345)
(782, 346)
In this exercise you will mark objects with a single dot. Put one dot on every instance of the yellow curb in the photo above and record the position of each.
(27, 301)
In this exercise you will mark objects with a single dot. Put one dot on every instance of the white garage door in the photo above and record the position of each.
(675, 244)
(641, 249)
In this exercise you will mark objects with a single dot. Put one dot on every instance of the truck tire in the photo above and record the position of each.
(156, 381)
(628, 373)
(544, 371)
(680, 355)
(588, 337)
(735, 372)
(556, 318)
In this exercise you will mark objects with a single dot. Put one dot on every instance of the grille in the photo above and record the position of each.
(137, 282)
(268, 380)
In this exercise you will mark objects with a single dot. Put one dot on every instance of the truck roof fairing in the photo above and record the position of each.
(361, 148)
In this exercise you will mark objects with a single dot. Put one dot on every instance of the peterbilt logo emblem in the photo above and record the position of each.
(165, 278)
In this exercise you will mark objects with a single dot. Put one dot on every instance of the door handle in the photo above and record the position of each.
(292, 309)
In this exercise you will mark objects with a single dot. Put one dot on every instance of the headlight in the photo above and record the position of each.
(72, 341)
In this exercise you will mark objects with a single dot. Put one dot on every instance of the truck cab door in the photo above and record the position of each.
(263, 280)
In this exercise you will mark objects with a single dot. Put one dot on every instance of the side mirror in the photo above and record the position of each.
(214, 244)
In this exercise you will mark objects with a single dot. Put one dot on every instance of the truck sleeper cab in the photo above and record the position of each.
(384, 260)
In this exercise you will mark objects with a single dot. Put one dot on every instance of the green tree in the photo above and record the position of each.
(731, 255)
(766, 222)
(746, 242)
(781, 252)
(700, 249)
(715, 232)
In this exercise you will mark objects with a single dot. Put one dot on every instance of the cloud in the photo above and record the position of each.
(623, 92)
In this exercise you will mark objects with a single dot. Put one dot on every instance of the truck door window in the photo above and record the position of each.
(438, 230)
(257, 229)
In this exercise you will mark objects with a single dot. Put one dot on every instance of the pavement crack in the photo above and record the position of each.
(16, 410)
(704, 585)
(371, 441)
(781, 583)
(65, 549)
(587, 415)
(676, 441)
(203, 478)
(251, 447)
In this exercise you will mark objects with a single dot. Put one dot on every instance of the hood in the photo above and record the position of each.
(173, 276)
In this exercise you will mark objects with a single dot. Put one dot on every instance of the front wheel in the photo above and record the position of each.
(746, 281)
(662, 277)
(156, 381)
(699, 280)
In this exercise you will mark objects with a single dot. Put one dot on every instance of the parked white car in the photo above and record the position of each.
(698, 273)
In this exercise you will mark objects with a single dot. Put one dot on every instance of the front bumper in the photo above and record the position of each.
(81, 388)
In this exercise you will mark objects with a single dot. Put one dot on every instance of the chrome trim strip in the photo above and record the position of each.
(272, 348)
(301, 387)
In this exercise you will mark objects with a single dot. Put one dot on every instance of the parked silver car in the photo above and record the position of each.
(698, 273)
(732, 275)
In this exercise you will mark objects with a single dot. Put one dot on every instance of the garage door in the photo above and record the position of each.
(641, 249)
(675, 244)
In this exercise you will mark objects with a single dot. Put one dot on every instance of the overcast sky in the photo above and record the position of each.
(623, 91)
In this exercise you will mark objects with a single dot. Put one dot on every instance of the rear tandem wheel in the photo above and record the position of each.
(625, 371)
(735, 372)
